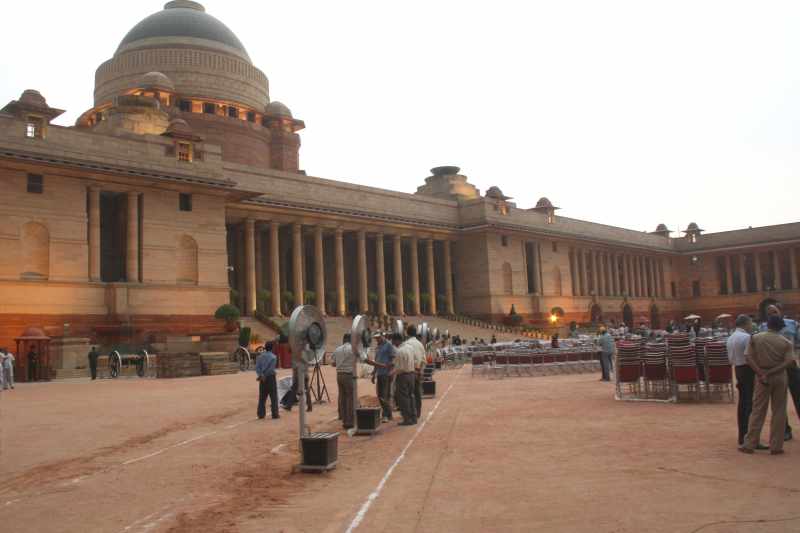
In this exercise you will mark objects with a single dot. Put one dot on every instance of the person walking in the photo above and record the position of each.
(345, 362)
(93, 355)
(745, 376)
(7, 369)
(405, 377)
(607, 349)
(769, 355)
(267, 383)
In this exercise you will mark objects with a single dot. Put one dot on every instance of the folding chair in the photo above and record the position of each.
(719, 375)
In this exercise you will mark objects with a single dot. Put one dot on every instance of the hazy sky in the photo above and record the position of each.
(626, 113)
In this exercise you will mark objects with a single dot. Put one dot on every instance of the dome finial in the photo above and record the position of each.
(184, 4)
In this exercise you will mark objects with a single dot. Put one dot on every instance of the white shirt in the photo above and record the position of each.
(737, 344)
(344, 359)
(416, 347)
(8, 360)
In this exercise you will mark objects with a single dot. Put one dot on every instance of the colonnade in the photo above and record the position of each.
(132, 253)
(605, 273)
(254, 259)
(758, 271)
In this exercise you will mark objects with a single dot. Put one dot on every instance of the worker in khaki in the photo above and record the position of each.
(769, 355)
(345, 362)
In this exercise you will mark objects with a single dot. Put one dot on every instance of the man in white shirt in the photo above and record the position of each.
(7, 369)
(745, 376)
(345, 362)
(420, 360)
(404, 373)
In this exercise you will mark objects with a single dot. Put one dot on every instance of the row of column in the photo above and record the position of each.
(253, 264)
(604, 273)
(132, 274)
(756, 271)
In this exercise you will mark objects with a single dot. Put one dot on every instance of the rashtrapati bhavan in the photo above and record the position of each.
(182, 188)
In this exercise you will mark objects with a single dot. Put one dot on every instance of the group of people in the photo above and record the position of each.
(765, 367)
(6, 369)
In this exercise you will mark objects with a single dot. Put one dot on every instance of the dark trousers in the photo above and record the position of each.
(346, 390)
(404, 390)
(31, 371)
(745, 382)
(267, 387)
(384, 390)
(290, 398)
(93, 369)
(793, 378)
(605, 365)
(418, 394)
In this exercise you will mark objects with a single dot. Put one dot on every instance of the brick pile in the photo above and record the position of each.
(218, 363)
(179, 365)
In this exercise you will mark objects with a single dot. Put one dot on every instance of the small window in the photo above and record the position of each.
(555, 246)
(33, 129)
(696, 288)
(35, 183)
(504, 240)
(233, 112)
(251, 116)
(185, 106)
(185, 201)
(210, 109)
(184, 152)
(551, 218)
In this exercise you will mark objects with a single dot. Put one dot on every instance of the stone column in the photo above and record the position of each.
(608, 277)
(249, 267)
(431, 275)
(572, 272)
(275, 268)
(629, 276)
(297, 263)
(793, 268)
(415, 274)
(94, 234)
(742, 274)
(380, 274)
(652, 276)
(623, 289)
(759, 278)
(132, 259)
(259, 263)
(361, 268)
(341, 304)
(584, 273)
(448, 278)
(613, 272)
(595, 285)
(663, 290)
(634, 276)
(776, 269)
(398, 275)
(600, 289)
(319, 269)
(728, 274)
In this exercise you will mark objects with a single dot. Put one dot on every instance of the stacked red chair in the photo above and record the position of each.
(656, 376)
(629, 369)
(719, 376)
(683, 370)
(700, 355)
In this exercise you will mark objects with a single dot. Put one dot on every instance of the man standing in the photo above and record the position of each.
(384, 359)
(607, 349)
(769, 355)
(7, 368)
(345, 362)
(420, 360)
(267, 384)
(93, 355)
(33, 362)
(405, 377)
(745, 376)
(789, 332)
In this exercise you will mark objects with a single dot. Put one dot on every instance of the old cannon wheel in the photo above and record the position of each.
(114, 364)
(242, 356)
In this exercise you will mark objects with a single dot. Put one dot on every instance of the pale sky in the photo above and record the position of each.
(626, 113)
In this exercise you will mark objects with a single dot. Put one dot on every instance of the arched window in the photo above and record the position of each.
(508, 279)
(35, 240)
(186, 261)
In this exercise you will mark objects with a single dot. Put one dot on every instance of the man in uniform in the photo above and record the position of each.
(420, 360)
(93, 355)
(267, 383)
(33, 363)
(405, 377)
(345, 362)
(745, 376)
(769, 355)
(791, 333)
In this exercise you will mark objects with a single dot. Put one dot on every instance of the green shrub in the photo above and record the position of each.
(227, 312)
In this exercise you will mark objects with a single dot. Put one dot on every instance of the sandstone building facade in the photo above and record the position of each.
(183, 182)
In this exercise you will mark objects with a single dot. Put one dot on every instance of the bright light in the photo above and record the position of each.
(553, 319)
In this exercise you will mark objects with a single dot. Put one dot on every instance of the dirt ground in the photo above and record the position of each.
(522, 454)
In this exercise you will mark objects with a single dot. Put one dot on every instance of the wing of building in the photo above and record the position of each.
(181, 188)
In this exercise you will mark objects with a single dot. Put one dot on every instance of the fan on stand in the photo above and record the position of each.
(368, 419)
(307, 335)
(427, 337)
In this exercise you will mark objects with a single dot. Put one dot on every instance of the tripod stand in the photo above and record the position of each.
(320, 388)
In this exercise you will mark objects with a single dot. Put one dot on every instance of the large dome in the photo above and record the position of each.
(198, 53)
(183, 19)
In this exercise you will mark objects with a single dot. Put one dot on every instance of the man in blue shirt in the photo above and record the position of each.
(789, 332)
(384, 359)
(607, 349)
(267, 384)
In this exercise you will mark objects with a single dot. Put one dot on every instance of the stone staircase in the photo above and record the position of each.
(264, 332)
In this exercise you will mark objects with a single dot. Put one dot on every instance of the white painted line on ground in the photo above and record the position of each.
(377, 492)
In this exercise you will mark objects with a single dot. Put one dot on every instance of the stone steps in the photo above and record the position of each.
(217, 364)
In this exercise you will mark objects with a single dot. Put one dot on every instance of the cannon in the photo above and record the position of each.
(142, 361)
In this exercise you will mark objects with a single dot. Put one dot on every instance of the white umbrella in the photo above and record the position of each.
(692, 317)
(724, 315)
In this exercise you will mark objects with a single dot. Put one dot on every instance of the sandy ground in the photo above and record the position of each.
(522, 454)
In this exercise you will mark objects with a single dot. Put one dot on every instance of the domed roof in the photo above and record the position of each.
(693, 227)
(661, 227)
(495, 192)
(278, 109)
(32, 97)
(544, 203)
(33, 333)
(157, 80)
(183, 19)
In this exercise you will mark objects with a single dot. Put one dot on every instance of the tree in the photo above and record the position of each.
(229, 313)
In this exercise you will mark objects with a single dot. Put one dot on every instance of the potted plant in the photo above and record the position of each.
(372, 298)
(263, 298)
(310, 297)
(230, 314)
(288, 301)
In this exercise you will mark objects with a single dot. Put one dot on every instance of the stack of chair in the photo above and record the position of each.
(656, 376)
(700, 355)
(629, 368)
(719, 377)
(683, 370)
